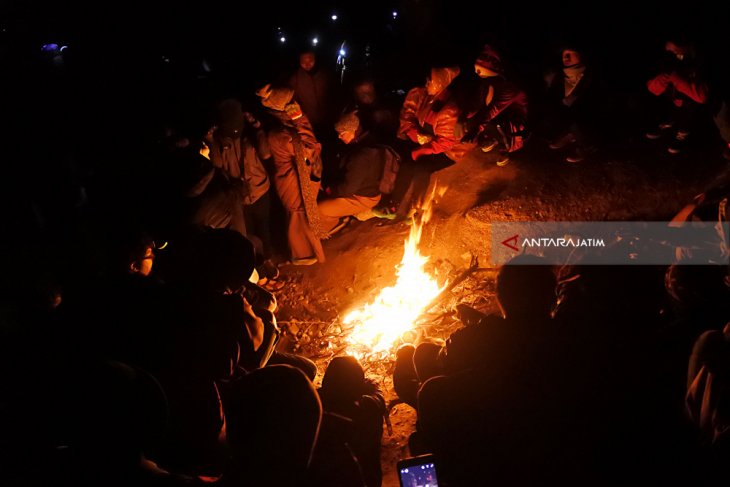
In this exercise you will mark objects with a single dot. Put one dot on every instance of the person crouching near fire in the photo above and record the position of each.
(369, 170)
(428, 121)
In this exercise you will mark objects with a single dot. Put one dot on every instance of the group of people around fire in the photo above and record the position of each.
(157, 359)
(388, 150)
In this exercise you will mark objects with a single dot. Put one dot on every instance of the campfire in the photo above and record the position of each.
(392, 317)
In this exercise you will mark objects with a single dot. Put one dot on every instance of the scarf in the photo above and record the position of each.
(573, 75)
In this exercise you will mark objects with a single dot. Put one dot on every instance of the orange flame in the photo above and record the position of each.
(377, 326)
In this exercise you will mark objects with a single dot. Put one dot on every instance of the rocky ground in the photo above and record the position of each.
(538, 186)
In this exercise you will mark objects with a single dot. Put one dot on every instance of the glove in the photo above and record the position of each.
(293, 110)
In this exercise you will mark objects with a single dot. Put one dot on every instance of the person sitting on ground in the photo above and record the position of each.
(491, 400)
(428, 122)
(464, 348)
(684, 91)
(501, 120)
(570, 103)
(273, 417)
(238, 146)
(367, 167)
(351, 426)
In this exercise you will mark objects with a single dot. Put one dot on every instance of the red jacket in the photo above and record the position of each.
(679, 88)
(419, 117)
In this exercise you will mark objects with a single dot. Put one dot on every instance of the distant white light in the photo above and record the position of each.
(342, 52)
(315, 41)
(395, 14)
(334, 17)
(282, 39)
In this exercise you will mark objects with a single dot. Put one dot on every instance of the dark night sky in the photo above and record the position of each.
(117, 47)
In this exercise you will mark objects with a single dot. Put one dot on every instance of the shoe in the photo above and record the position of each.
(674, 149)
(576, 156)
(384, 212)
(488, 145)
(659, 131)
(340, 225)
(305, 261)
(563, 141)
(677, 145)
(503, 159)
(365, 215)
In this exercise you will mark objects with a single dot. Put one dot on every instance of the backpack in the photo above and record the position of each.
(391, 167)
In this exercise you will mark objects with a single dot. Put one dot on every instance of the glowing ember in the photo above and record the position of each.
(377, 326)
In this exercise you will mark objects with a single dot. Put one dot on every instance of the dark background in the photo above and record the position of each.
(131, 67)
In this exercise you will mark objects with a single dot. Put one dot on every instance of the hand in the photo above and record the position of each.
(254, 325)
(205, 150)
(415, 154)
(251, 120)
(423, 139)
(293, 110)
(664, 78)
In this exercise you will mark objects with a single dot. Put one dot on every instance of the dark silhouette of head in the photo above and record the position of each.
(526, 287)
(273, 417)
(230, 117)
(211, 259)
(343, 380)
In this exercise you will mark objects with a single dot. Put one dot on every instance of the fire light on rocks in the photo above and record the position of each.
(379, 325)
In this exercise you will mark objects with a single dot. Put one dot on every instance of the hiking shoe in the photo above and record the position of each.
(659, 131)
(577, 155)
(680, 140)
(488, 145)
(384, 212)
(304, 261)
(503, 159)
(563, 141)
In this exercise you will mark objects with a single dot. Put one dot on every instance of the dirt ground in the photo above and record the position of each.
(537, 186)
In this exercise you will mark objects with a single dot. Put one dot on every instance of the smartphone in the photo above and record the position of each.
(418, 472)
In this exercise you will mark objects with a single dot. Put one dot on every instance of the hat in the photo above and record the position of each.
(442, 77)
(489, 59)
(275, 98)
(349, 122)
